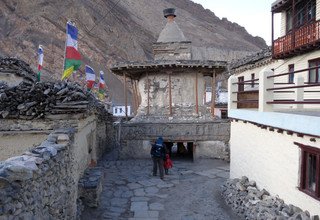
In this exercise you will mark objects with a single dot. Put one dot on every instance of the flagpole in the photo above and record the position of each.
(65, 48)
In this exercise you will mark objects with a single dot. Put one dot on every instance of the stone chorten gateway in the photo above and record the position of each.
(170, 98)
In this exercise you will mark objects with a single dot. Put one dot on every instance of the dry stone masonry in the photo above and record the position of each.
(39, 183)
(42, 183)
(251, 203)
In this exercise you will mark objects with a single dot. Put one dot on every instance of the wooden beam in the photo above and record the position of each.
(148, 95)
(170, 96)
(197, 97)
(272, 33)
(293, 30)
(205, 93)
(125, 95)
(137, 96)
(134, 106)
(213, 92)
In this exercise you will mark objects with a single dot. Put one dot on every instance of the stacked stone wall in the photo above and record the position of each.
(42, 183)
(39, 183)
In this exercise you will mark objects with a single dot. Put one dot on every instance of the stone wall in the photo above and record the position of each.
(210, 138)
(39, 183)
(252, 203)
(43, 182)
(11, 144)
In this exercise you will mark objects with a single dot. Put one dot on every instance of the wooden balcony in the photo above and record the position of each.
(301, 40)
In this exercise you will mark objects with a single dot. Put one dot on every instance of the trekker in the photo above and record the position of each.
(158, 154)
(167, 164)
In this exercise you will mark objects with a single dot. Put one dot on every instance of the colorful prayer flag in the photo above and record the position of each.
(102, 86)
(90, 77)
(72, 59)
(40, 61)
(102, 83)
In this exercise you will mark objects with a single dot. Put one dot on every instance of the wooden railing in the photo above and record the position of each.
(283, 45)
(298, 88)
(271, 95)
(248, 97)
(304, 38)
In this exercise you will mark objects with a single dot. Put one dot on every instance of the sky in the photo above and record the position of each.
(254, 15)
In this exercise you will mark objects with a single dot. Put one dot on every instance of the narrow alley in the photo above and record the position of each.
(190, 191)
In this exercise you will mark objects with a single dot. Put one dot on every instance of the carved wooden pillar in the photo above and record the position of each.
(134, 100)
(213, 91)
(170, 96)
(125, 95)
(148, 94)
(196, 88)
(137, 95)
(205, 93)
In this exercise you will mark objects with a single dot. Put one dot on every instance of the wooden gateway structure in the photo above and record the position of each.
(171, 88)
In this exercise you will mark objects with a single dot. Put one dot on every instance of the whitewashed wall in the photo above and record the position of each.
(272, 160)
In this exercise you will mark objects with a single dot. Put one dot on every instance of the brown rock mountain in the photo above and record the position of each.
(113, 30)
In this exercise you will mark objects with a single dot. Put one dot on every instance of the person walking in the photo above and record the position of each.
(167, 164)
(158, 154)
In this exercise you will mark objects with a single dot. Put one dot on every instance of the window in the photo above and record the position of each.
(305, 12)
(310, 170)
(289, 20)
(240, 85)
(115, 110)
(291, 75)
(311, 10)
(252, 78)
(314, 74)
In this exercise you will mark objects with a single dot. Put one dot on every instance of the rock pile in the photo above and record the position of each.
(29, 101)
(19, 68)
(251, 203)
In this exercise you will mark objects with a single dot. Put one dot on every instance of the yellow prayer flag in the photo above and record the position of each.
(67, 72)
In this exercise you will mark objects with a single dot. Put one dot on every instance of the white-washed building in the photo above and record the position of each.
(274, 104)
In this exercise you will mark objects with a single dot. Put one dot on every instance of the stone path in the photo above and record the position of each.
(190, 191)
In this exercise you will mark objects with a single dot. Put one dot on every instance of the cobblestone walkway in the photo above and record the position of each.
(190, 191)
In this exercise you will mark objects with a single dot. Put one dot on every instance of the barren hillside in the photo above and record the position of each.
(113, 30)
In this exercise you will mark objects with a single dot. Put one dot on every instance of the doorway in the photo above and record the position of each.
(180, 150)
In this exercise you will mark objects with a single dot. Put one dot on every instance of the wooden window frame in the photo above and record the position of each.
(302, 7)
(303, 186)
(289, 24)
(240, 85)
(252, 78)
(317, 61)
(291, 74)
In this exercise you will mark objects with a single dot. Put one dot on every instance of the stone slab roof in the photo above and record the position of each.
(263, 54)
(18, 67)
(132, 68)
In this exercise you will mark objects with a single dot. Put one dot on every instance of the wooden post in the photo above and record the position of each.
(134, 106)
(197, 101)
(136, 97)
(293, 25)
(148, 97)
(138, 93)
(205, 94)
(213, 92)
(125, 95)
(272, 33)
(170, 96)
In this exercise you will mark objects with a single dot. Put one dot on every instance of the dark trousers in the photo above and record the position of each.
(158, 162)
